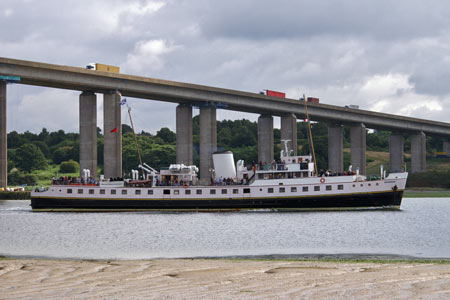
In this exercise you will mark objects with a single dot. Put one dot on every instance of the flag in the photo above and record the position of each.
(113, 130)
(124, 101)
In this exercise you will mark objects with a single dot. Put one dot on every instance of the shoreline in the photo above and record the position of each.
(221, 279)
(306, 257)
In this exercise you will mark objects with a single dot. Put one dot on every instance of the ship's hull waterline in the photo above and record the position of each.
(375, 200)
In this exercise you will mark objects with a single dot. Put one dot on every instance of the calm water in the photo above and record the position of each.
(421, 229)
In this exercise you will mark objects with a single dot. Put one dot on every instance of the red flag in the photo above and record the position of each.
(114, 130)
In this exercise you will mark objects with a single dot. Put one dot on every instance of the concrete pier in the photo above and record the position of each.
(3, 138)
(418, 153)
(396, 155)
(88, 133)
(112, 129)
(208, 142)
(358, 148)
(446, 147)
(289, 131)
(265, 138)
(184, 134)
(336, 148)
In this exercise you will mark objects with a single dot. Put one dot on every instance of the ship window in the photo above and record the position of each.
(297, 175)
(199, 192)
(354, 185)
(124, 192)
(235, 191)
(69, 191)
(224, 191)
(187, 192)
(369, 184)
(246, 191)
(305, 189)
(102, 192)
(316, 188)
(212, 192)
(293, 189)
(281, 190)
(260, 176)
(137, 192)
(176, 192)
(166, 192)
(91, 191)
(328, 187)
(377, 183)
(150, 192)
(362, 184)
(270, 190)
(340, 187)
(113, 192)
(80, 191)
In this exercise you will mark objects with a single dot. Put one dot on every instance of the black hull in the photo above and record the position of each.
(343, 202)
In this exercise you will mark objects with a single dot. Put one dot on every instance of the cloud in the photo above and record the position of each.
(378, 19)
(148, 56)
(390, 56)
(50, 108)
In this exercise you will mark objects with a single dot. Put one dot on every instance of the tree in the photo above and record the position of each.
(59, 155)
(15, 140)
(44, 148)
(69, 166)
(43, 135)
(167, 135)
(29, 157)
(126, 128)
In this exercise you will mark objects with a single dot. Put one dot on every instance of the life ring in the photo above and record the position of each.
(185, 186)
(322, 180)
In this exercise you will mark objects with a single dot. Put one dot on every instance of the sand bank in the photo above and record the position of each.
(220, 279)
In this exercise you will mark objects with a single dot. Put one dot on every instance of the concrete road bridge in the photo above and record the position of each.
(115, 85)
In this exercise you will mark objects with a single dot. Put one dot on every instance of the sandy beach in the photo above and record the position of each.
(221, 279)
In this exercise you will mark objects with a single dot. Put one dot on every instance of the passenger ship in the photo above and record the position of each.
(290, 185)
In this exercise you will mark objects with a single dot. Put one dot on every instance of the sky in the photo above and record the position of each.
(386, 56)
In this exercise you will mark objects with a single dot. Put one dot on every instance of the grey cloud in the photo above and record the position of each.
(328, 49)
(286, 19)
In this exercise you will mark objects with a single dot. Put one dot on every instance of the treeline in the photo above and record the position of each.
(28, 151)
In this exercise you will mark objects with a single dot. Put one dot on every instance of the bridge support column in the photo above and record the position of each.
(418, 153)
(88, 133)
(208, 142)
(446, 147)
(265, 138)
(358, 148)
(336, 148)
(3, 138)
(184, 134)
(289, 131)
(112, 129)
(396, 157)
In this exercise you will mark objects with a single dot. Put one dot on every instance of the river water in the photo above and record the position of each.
(420, 229)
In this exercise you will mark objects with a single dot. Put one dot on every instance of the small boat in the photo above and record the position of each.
(292, 184)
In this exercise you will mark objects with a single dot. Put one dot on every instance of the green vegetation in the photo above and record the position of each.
(36, 158)
(69, 166)
(15, 195)
(427, 193)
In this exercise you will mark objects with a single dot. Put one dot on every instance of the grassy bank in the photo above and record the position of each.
(14, 195)
(426, 193)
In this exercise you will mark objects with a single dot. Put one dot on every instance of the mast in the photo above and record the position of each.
(310, 135)
(134, 134)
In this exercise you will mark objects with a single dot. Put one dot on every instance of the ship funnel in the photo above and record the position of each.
(224, 164)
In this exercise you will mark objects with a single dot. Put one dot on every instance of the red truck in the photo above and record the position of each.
(313, 100)
(274, 94)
